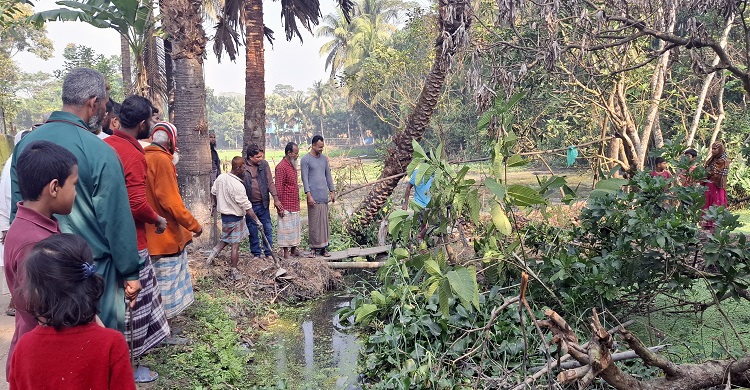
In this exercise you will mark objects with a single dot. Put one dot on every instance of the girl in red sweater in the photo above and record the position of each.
(69, 349)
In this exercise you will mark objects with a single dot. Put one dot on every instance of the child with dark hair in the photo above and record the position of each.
(689, 157)
(660, 168)
(47, 177)
(71, 349)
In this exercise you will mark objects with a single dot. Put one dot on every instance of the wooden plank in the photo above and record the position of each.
(358, 252)
(355, 264)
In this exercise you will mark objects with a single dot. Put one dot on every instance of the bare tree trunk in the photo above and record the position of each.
(127, 70)
(722, 114)
(658, 135)
(183, 22)
(657, 87)
(706, 84)
(455, 20)
(255, 87)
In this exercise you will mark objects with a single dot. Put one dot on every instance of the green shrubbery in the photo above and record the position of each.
(439, 321)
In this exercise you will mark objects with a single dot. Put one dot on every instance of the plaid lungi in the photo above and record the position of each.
(288, 233)
(233, 232)
(174, 281)
(318, 229)
(149, 321)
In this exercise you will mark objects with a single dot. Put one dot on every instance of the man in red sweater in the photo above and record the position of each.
(149, 320)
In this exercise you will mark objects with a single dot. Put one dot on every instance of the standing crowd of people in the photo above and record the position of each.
(94, 233)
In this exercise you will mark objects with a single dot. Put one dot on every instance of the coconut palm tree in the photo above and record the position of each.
(336, 27)
(249, 15)
(351, 43)
(320, 101)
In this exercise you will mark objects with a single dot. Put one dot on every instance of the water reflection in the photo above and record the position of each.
(313, 354)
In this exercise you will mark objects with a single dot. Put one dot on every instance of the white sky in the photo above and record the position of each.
(292, 63)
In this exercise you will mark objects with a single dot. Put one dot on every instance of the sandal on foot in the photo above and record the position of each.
(143, 374)
(325, 253)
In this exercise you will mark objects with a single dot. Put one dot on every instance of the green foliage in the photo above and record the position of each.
(80, 56)
(214, 360)
(132, 19)
(738, 181)
(412, 344)
(226, 119)
(639, 243)
(16, 35)
(634, 241)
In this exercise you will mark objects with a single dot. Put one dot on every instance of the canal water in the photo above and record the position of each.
(307, 349)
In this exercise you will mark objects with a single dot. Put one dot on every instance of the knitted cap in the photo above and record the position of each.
(167, 128)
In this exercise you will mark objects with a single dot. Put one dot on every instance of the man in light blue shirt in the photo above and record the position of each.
(422, 197)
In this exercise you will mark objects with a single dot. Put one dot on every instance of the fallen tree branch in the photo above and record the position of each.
(696, 376)
(533, 378)
(616, 357)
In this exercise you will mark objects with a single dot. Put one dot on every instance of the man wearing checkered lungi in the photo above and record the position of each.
(287, 186)
(148, 326)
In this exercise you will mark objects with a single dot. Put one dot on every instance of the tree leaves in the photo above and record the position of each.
(500, 220)
(608, 187)
(463, 282)
(524, 195)
(395, 220)
(497, 189)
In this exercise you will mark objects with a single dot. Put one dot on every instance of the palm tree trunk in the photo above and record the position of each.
(127, 71)
(255, 87)
(455, 21)
(182, 21)
(169, 76)
(321, 126)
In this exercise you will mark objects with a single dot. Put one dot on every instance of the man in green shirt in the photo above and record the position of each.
(101, 212)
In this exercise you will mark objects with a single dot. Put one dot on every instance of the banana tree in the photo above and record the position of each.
(135, 21)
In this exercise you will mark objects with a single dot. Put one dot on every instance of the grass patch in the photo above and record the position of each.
(215, 360)
(696, 336)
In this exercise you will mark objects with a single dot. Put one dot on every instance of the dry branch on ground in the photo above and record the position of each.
(596, 361)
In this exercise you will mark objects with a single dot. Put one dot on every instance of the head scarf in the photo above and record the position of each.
(718, 164)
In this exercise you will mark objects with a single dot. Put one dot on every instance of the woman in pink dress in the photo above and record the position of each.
(717, 169)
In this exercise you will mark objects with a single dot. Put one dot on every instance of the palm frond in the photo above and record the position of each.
(226, 39)
(307, 14)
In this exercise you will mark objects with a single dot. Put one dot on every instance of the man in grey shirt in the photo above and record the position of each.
(317, 182)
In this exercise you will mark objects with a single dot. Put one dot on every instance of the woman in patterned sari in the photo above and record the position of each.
(717, 169)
